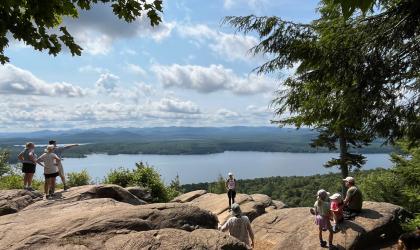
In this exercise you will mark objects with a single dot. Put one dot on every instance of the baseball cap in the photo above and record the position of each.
(349, 179)
(229, 174)
(236, 210)
(335, 196)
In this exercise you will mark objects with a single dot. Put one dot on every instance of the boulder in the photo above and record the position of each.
(294, 228)
(89, 224)
(187, 197)
(252, 205)
(91, 192)
(141, 192)
(12, 201)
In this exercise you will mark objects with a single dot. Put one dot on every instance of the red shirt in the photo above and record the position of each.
(337, 208)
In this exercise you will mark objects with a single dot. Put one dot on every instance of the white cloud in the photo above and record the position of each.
(230, 47)
(14, 80)
(107, 82)
(174, 105)
(211, 79)
(92, 69)
(253, 4)
(97, 29)
(136, 69)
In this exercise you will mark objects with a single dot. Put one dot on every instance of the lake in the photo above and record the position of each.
(204, 168)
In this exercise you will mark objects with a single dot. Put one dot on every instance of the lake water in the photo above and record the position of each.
(203, 168)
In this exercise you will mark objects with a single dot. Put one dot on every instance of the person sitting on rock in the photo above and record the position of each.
(239, 226)
(409, 241)
(354, 199)
(323, 215)
(50, 161)
(336, 207)
(231, 189)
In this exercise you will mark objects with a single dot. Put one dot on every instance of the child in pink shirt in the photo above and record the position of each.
(337, 205)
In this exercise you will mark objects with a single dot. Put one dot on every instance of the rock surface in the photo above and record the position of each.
(141, 193)
(12, 201)
(187, 197)
(251, 205)
(91, 224)
(91, 192)
(294, 228)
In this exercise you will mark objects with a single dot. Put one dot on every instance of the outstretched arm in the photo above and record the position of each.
(70, 146)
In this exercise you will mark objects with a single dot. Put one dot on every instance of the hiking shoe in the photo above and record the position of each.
(323, 243)
(65, 188)
(30, 189)
(312, 211)
(332, 247)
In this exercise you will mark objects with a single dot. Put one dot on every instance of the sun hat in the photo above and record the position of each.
(236, 210)
(349, 179)
(230, 174)
(335, 196)
(322, 192)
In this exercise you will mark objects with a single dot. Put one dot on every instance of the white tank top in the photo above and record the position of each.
(231, 183)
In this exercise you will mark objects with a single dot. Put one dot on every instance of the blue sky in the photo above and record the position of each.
(188, 71)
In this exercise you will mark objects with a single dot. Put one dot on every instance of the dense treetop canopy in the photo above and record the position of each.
(38, 23)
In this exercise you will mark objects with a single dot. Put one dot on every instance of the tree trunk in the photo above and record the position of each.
(343, 164)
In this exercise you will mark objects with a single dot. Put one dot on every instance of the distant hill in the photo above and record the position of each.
(176, 140)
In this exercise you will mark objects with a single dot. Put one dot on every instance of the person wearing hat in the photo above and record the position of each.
(354, 198)
(323, 215)
(337, 210)
(59, 152)
(49, 161)
(231, 189)
(239, 226)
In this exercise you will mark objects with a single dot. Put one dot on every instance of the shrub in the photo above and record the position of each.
(75, 179)
(13, 181)
(4, 162)
(120, 176)
(144, 176)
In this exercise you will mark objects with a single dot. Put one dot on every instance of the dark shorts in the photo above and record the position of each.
(28, 168)
(53, 175)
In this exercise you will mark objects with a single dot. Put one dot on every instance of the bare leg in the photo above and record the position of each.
(52, 183)
(30, 178)
(320, 234)
(331, 234)
(46, 190)
(25, 180)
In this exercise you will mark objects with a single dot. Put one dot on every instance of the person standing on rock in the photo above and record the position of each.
(50, 162)
(239, 226)
(231, 189)
(323, 216)
(59, 152)
(28, 159)
(354, 198)
(337, 210)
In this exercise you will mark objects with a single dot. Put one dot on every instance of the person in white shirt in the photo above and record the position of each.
(239, 227)
(59, 152)
(49, 161)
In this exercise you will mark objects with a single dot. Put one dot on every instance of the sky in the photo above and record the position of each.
(189, 71)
